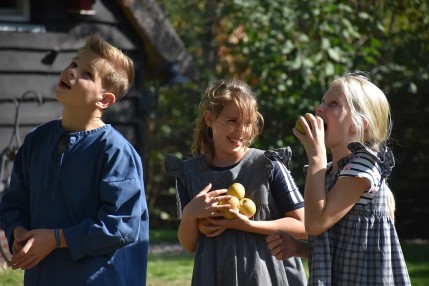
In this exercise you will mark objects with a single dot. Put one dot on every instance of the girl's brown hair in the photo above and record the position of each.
(214, 100)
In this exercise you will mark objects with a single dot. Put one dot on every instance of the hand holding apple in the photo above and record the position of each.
(202, 226)
(247, 207)
(299, 127)
(234, 202)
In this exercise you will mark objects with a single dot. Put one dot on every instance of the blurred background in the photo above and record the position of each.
(288, 51)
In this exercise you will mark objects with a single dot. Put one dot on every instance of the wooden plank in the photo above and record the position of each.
(27, 61)
(31, 61)
(14, 85)
(73, 37)
(30, 113)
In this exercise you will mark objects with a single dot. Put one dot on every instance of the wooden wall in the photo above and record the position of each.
(54, 28)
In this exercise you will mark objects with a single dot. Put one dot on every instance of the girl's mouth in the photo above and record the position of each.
(65, 84)
(235, 142)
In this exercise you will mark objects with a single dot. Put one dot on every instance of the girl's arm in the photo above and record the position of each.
(324, 210)
(293, 223)
(288, 199)
(200, 207)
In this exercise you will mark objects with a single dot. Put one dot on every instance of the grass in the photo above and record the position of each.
(169, 269)
(176, 269)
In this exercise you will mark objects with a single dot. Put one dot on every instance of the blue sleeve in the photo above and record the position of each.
(122, 213)
(15, 205)
(284, 190)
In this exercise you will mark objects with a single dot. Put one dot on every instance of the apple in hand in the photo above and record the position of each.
(247, 207)
(299, 127)
(202, 223)
(237, 190)
(235, 205)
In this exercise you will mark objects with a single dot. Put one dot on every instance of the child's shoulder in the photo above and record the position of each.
(284, 155)
(382, 159)
(47, 127)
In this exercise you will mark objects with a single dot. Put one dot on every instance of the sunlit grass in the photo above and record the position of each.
(176, 269)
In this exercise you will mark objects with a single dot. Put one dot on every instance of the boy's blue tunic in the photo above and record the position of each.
(92, 189)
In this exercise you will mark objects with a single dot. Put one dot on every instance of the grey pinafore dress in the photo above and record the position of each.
(237, 257)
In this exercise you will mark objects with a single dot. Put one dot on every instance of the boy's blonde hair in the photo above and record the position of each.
(118, 71)
(367, 102)
(214, 100)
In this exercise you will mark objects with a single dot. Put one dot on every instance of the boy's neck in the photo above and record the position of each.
(75, 123)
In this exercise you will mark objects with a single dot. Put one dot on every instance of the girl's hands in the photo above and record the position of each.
(206, 204)
(314, 137)
(282, 245)
(219, 225)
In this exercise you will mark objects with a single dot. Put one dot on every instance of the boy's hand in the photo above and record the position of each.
(17, 234)
(37, 244)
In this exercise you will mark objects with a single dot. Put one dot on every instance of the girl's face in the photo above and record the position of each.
(80, 84)
(229, 135)
(336, 115)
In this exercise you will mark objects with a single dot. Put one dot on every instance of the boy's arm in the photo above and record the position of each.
(122, 216)
(14, 205)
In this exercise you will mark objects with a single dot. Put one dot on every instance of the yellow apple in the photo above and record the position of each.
(235, 205)
(202, 222)
(299, 127)
(247, 207)
(237, 190)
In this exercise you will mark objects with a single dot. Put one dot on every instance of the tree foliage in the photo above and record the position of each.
(289, 51)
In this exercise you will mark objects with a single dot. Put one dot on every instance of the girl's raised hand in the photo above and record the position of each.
(314, 137)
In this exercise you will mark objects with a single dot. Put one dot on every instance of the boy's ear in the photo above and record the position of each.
(208, 118)
(107, 99)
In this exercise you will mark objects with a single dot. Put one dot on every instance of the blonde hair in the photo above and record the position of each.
(367, 103)
(214, 99)
(118, 70)
(391, 204)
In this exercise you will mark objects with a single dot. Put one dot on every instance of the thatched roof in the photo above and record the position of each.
(161, 42)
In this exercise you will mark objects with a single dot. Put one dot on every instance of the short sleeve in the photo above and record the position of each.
(363, 165)
(175, 167)
(282, 185)
(366, 163)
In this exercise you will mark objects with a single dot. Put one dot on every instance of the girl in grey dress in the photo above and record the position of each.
(235, 252)
(352, 236)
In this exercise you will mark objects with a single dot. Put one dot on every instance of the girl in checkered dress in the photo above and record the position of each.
(348, 205)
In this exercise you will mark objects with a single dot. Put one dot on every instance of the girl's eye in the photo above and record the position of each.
(88, 74)
(230, 121)
(72, 65)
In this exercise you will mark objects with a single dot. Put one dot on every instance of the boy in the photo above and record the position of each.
(76, 211)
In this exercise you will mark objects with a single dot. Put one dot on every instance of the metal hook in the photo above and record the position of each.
(17, 102)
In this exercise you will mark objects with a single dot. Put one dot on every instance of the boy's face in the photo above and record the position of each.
(80, 84)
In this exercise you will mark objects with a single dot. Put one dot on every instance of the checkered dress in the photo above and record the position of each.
(363, 247)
